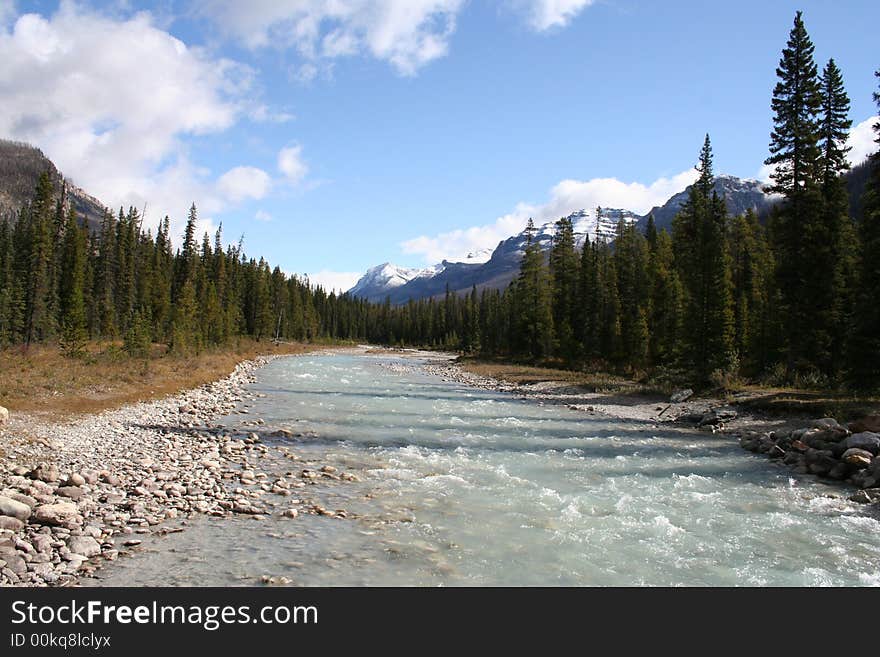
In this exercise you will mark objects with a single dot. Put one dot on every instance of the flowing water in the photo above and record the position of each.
(462, 486)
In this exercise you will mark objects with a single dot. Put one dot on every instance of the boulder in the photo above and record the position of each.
(867, 496)
(45, 472)
(680, 396)
(18, 496)
(866, 440)
(76, 480)
(60, 514)
(867, 423)
(716, 417)
(84, 545)
(8, 522)
(830, 424)
(74, 493)
(14, 509)
(860, 458)
(4, 416)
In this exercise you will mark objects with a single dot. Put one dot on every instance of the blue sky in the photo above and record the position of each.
(339, 135)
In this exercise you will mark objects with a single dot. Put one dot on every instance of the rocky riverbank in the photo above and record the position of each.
(78, 494)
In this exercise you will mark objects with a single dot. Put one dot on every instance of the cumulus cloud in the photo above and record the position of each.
(335, 281)
(244, 183)
(262, 215)
(566, 197)
(861, 140)
(405, 33)
(546, 14)
(112, 101)
(291, 164)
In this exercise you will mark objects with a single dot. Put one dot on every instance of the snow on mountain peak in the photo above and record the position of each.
(388, 276)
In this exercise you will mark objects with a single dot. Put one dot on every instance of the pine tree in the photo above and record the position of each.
(838, 257)
(864, 354)
(704, 267)
(798, 233)
(36, 263)
(634, 289)
(533, 304)
(564, 276)
(72, 288)
(666, 293)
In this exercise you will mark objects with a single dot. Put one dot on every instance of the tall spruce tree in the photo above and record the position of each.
(798, 232)
(864, 353)
(666, 294)
(533, 303)
(704, 266)
(564, 276)
(838, 258)
(631, 258)
(72, 287)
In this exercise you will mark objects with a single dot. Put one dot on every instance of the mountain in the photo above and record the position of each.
(740, 194)
(487, 268)
(378, 281)
(20, 168)
(502, 266)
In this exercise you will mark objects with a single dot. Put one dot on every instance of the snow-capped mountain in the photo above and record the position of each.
(740, 194)
(497, 268)
(381, 279)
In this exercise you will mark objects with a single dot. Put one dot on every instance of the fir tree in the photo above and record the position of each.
(564, 276)
(837, 258)
(73, 307)
(864, 355)
(534, 315)
(704, 267)
(798, 232)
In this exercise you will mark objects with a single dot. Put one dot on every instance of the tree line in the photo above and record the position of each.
(795, 296)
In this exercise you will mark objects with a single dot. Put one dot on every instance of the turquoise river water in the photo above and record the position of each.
(463, 486)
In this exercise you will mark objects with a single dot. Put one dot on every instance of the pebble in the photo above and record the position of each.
(69, 497)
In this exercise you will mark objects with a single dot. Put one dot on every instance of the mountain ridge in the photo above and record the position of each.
(21, 166)
(502, 266)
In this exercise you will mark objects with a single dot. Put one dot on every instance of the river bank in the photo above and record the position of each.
(79, 493)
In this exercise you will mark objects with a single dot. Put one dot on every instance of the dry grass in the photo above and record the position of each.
(784, 401)
(41, 381)
(528, 374)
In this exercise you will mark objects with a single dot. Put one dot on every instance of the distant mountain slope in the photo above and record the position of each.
(740, 195)
(400, 285)
(20, 168)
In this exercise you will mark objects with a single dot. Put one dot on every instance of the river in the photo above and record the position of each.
(463, 486)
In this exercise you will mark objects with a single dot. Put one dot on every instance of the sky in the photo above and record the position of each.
(335, 135)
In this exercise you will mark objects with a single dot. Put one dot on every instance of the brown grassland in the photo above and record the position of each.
(42, 382)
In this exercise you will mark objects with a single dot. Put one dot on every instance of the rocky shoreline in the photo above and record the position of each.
(75, 495)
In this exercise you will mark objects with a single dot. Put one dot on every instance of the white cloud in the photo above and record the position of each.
(861, 140)
(264, 114)
(291, 164)
(111, 102)
(262, 215)
(546, 14)
(565, 198)
(405, 33)
(244, 182)
(338, 281)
